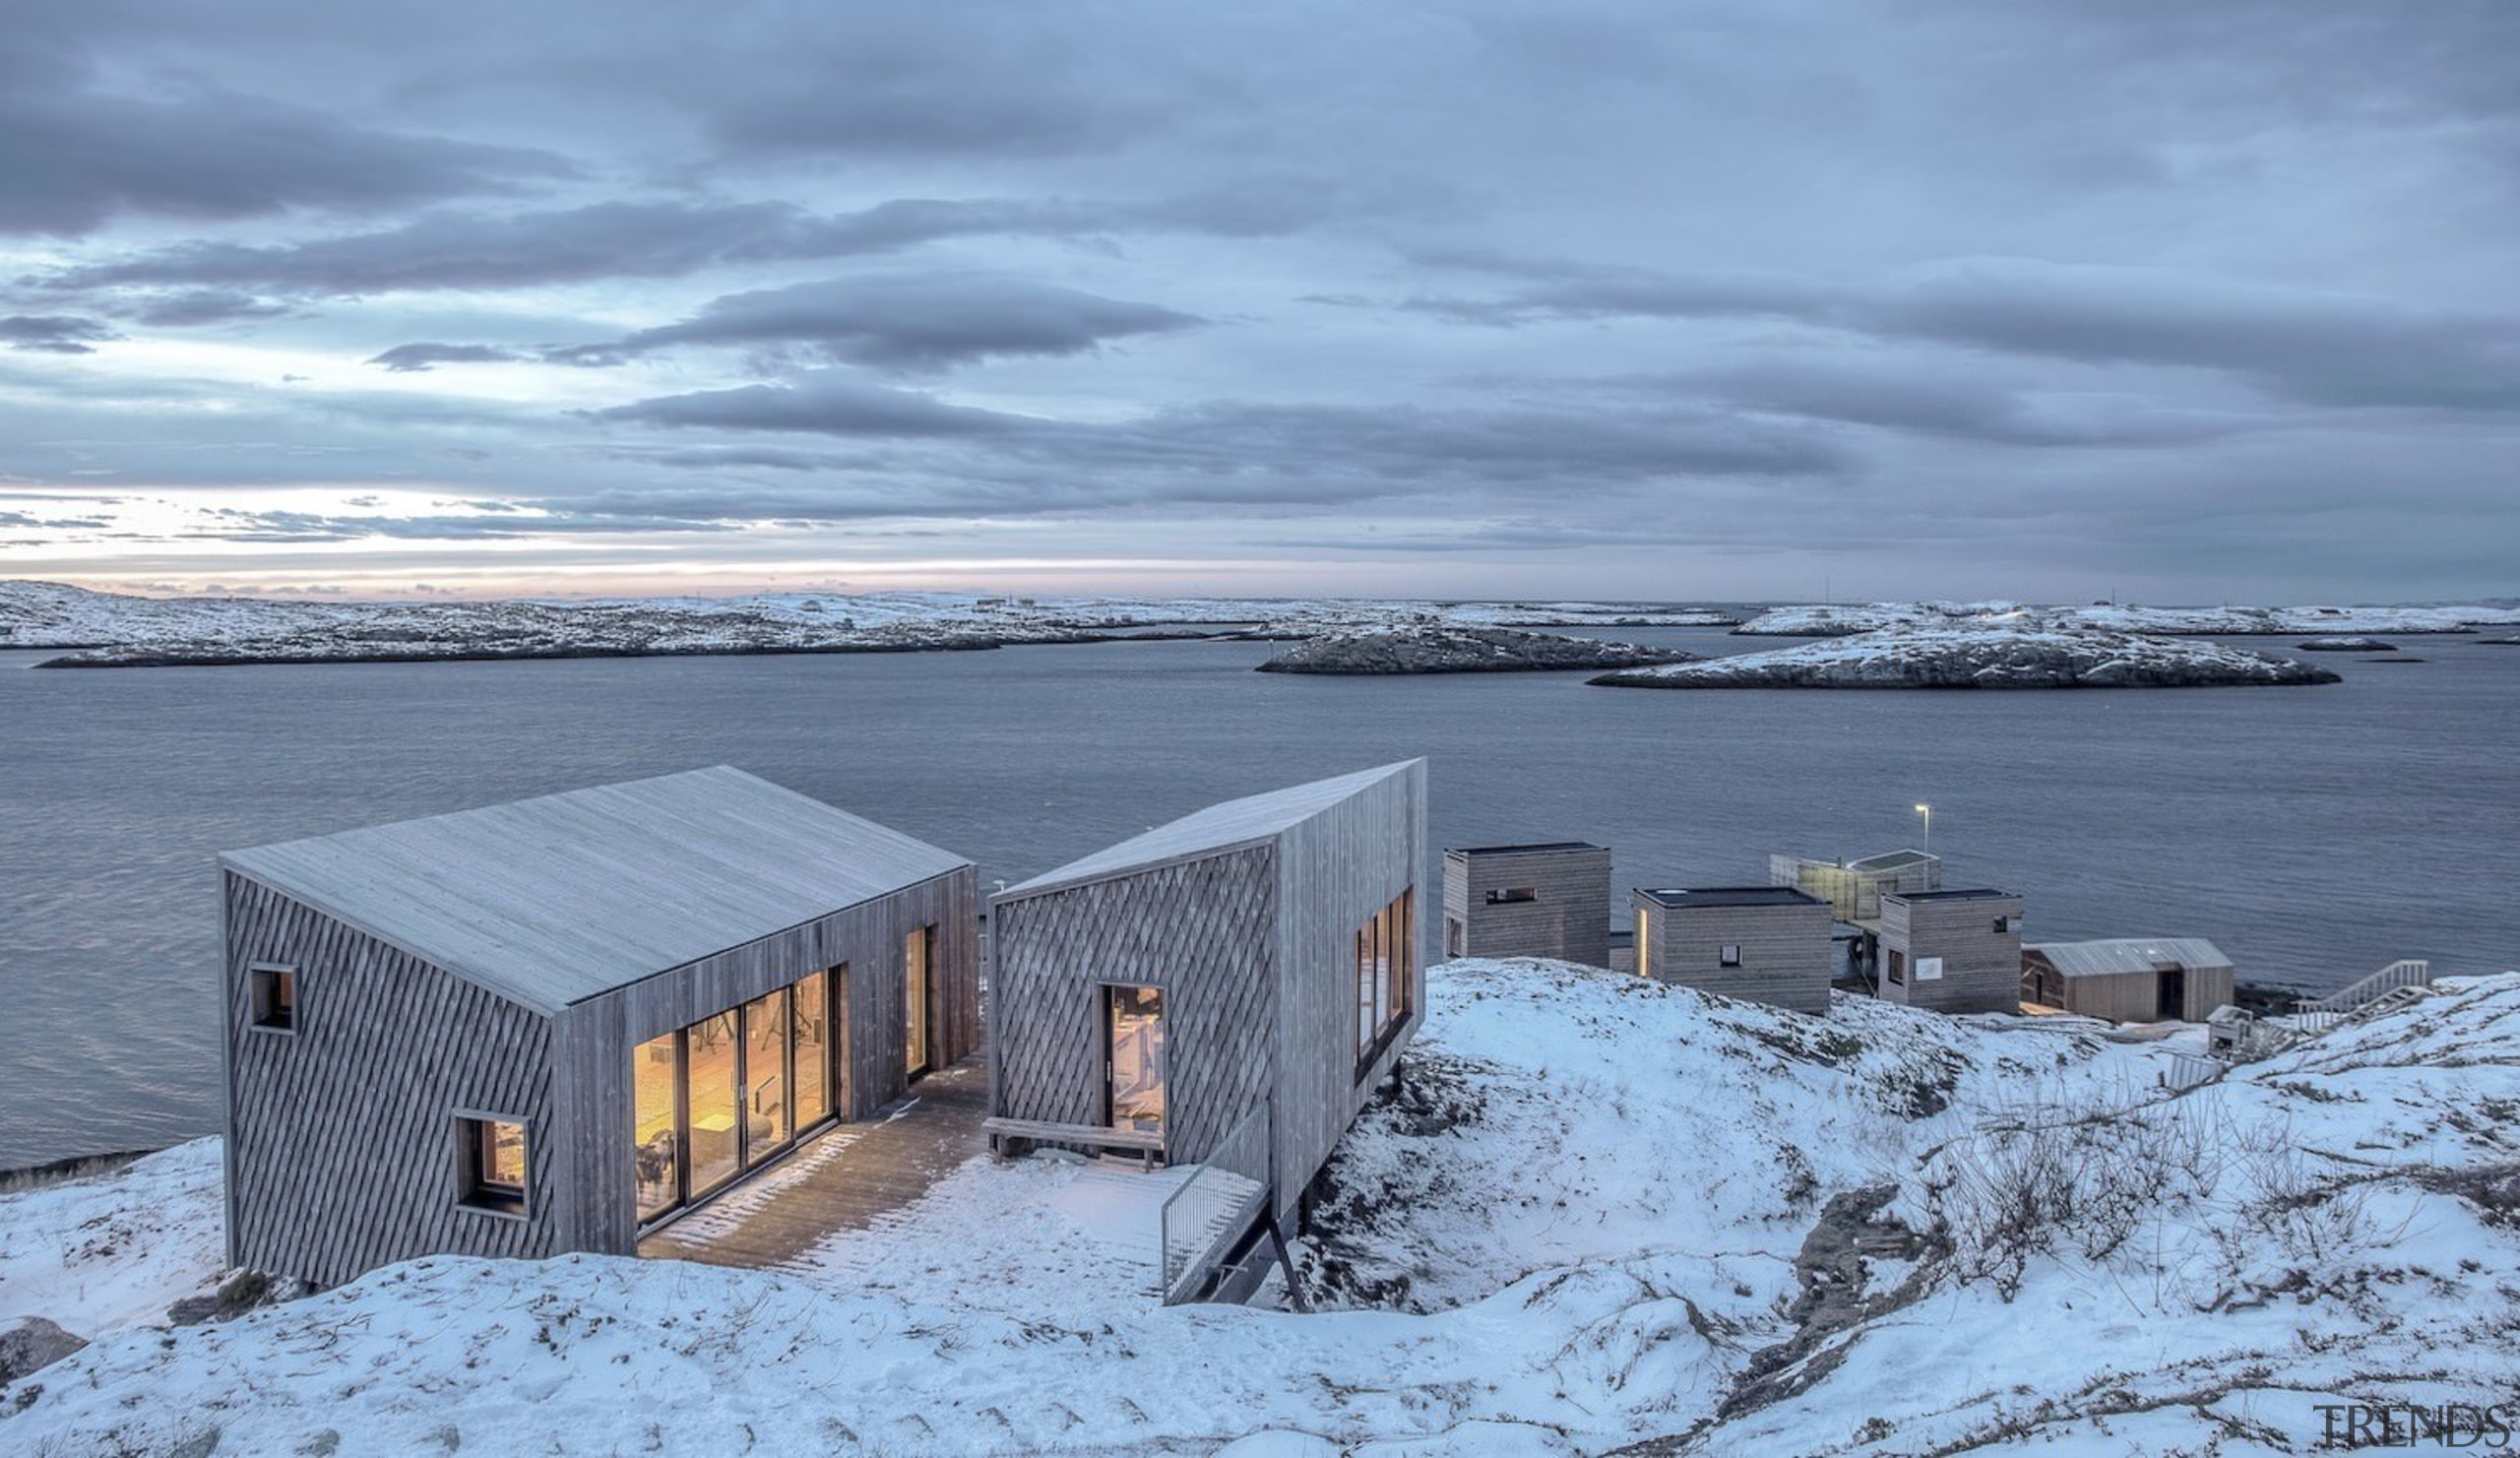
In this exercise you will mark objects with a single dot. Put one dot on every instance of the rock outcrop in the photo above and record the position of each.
(1988, 658)
(1436, 649)
(2345, 645)
(33, 1344)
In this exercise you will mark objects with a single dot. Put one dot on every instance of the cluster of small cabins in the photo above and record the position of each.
(1886, 922)
(560, 1024)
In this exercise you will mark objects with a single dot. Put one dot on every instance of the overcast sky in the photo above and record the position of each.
(2181, 302)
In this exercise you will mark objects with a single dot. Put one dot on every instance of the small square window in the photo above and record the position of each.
(1732, 957)
(274, 992)
(493, 1156)
(2003, 923)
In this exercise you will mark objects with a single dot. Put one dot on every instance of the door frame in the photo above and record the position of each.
(1104, 1004)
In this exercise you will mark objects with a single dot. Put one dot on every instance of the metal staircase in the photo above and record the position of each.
(2240, 1037)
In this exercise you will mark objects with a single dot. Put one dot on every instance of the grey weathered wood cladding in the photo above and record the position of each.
(1978, 936)
(343, 1149)
(1246, 916)
(1782, 933)
(1565, 915)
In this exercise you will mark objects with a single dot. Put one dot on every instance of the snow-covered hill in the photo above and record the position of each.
(1988, 656)
(1601, 1212)
(116, 630)
(2227, 622)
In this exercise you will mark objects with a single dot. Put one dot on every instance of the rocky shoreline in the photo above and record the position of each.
(1982, 659)
(1428, 648)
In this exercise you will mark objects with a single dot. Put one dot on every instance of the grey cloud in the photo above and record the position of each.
(235, 525)
(906, 321)
(1901, 391)
(2319, 349)
(54, 334)
(600, 240)
(824, 402)
(420, 358)
(77, 157)
(197, 306)
(620, 240)
(741, 458)
(1237, 451)
(2335, 349)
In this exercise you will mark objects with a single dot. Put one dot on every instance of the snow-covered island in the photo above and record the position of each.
(1981, 657)
(1438, 648)
(2347, 644)
(1812, 621)
(112, 630)
(1600, 1211)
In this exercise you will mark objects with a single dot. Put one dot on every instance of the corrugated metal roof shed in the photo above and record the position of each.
(2115, 955)
(1219, 827)
(554, 900)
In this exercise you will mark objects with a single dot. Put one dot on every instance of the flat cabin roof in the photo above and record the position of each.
(2112, 956)
(1532, 846)
(554, 900)
(1219, 827)
(1974, 893)
(1680, 897)
(1892, 861)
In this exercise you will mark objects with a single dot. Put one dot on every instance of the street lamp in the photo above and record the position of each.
(1928, 812)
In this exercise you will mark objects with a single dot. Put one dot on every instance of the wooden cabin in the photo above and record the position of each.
(2129, 980)
(1853, 888)
(547, 1026)
(1548, 899)
(1761, 944)
(1951, 951)
(1242, 975)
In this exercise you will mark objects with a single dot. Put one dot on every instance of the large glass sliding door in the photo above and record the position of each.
(768, 1126)
(731, 1091)
(811, 1008)
(716, 1094)
(656, 1075)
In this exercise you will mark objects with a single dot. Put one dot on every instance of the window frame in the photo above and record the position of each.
(258, 1016)
(1728, 955)
(472, 1127)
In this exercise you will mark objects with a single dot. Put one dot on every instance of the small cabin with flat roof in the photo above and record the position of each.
(1761, 944)
(1951, 951)
(544, 1026)
(1853, 888)
(1544, 900)
(2129, 978)
(1229, 988)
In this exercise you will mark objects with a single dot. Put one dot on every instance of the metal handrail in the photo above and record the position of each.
(2413, 971)
(1215, 1205)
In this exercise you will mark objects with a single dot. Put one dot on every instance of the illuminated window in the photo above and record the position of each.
(492, 1151)
(1386, 961)
(275, 990)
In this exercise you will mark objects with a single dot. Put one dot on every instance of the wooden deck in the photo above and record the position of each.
(849, 1177)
